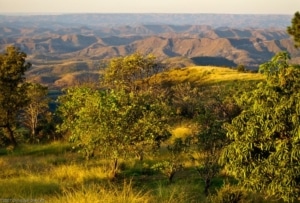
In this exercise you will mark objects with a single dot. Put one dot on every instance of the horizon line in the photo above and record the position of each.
(129, 13)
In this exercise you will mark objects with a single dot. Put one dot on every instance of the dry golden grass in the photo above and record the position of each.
(99, 194)
(181, 132)
(217, 74)
(34, 177)
(205, 75)
(77, 174)
(52, 173)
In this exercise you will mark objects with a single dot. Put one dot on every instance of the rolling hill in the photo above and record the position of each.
(61, 45)
(205, 75)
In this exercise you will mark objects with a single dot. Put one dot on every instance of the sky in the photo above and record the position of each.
(151, 6)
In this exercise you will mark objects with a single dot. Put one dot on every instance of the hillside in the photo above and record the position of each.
(64, 48)
(205, 75)
(248, 46)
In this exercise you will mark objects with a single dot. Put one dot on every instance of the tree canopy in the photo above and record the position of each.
(125, 72)
(12, 89)
(294, 29)
(113, 123)
(264, 152)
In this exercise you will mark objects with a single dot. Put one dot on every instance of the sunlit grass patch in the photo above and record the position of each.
(124, 193)
(28, 187)
(204, 75)
(182, 132)
(77, 174)
(178, 75)
(218, 74)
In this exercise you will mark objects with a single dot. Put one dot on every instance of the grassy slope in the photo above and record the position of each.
(209, 75)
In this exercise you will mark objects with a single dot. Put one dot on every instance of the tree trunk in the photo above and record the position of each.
(10, 135)
(172, 174)
(114, 169)
(140, 155)
(207, 186)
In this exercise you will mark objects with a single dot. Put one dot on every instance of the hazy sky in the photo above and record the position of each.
(151, 6)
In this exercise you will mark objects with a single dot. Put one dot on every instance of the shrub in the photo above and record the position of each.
(228, 194)
(241, 68)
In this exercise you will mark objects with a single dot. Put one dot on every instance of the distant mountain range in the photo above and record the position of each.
(58, 45)
(115, 19)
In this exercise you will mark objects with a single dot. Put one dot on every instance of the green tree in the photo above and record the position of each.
(294, 29)
(173, 159)
(130, 72)
(185, 100)
(113, 123)
(209, 107)
(36, 108)
(264, 152)
(72, 111)
(12, 89)
(214, 109)
(208, 144)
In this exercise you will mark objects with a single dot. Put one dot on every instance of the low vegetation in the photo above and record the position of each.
(54, 173)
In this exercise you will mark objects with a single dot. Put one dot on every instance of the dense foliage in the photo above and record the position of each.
(131, 72)
(294, 29)
(264, 150)
(12, 90)
(119, 117)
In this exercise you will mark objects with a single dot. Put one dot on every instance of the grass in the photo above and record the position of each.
(219, 75)
(205, 75)
(54, 173)
(28, 187)
(57, 148)
(98, 193)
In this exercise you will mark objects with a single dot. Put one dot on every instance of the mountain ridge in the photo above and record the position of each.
(117, 19)
(61, 45)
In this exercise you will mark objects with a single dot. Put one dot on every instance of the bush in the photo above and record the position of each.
(241, 68)
(229, 194)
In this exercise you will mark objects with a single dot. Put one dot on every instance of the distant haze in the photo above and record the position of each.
(134, 19)
(149, 6)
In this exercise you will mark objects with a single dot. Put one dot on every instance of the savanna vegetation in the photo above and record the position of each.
(147, 133)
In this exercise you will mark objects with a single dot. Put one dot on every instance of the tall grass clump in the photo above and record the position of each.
(103, 194)
(74, 175)
(229, 194)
